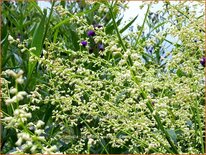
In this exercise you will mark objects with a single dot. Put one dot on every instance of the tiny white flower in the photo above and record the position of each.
(38, 131)
(8, 101)
(33, 148)
(11, 73)
(115, 53)
(28, 115)
(10, 38)
(20, 46)
(135, 56)
(22, 93)
(25, 136)
(16, 112)
(20, 72)
(23, 50)
(13, 90)
(90, 141)
(114, 48)
(32, 49)
(8, 119)
(125, 55)
(39, 123)
(29, 143)
(19, 97)
(44, 52)
(42, 138)
(19, 142)
(20, 80)
(53, 148)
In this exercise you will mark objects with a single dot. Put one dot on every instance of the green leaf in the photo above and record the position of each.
(142, 27)
(120, 96)
(180, 73)
(128, 25)
(35, 5)
(116, 27)
(37, 42)
(174, 44)
(74, 39)
(61, 23)
(4, 44)
(110, 26)
(63, 3)
(172, 135)
(48, 113)
(159, 123)
(156, 27)
(55, 35)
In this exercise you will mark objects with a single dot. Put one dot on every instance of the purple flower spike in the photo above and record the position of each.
(101, 47)
(91, 33)
(150, 49)
(202, 61)
(84, 43)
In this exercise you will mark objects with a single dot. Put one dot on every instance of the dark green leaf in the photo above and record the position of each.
(37, 41)
(128, 25)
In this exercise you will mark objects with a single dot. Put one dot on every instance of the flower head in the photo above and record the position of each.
(91, 33)
(202, 61)
(84, 43)
(10, 38)
(101, 47)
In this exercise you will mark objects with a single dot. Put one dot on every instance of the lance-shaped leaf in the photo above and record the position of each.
(128, 25)
(37, 41)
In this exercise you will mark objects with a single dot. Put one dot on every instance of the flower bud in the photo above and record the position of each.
(202, 61)
(91, 33)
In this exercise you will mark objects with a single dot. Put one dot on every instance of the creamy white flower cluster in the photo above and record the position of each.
(99, 102)
(17, 95)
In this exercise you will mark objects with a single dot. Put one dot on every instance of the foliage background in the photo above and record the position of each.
(121, 93)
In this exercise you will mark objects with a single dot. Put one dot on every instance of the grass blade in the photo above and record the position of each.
(156, 27)
(116, 28)
(128, 25)
(142, 27)
(34, 4)
(160, 125)
(196, 111)
(37, 42)
(92, 131)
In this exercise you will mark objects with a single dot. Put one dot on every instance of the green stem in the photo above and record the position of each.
(92, 131)
(47, 26)
(116, 28)
(200, 127)
(160, 125)
(88, 148)
(142, 27)
(17, 103)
